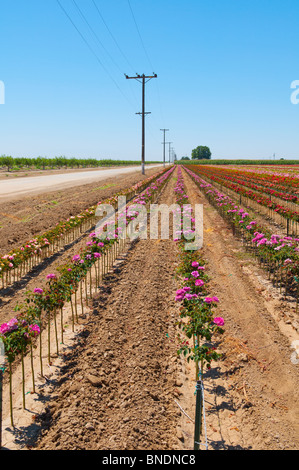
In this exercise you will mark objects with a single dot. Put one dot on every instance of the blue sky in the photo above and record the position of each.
(225, 69)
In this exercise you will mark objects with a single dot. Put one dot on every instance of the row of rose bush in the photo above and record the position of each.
(19, 331)
(255, 183)
(61, 288)
(255, 194)
(278, 252)
(282, 182)
(198, 322)
(42, 304)
(20, 260)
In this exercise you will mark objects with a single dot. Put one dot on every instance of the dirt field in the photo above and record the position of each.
(121, 385)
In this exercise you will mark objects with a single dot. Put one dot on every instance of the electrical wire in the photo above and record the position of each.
(92, 51)
(112, 36)
(140, 37)
(95, 35)
(149, 61)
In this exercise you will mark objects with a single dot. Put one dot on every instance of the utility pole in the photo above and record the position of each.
(164, 130)
(142, 79)
(169, 149)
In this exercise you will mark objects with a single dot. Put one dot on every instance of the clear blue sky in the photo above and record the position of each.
(224, 69)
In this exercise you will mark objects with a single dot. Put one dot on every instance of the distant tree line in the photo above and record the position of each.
(42, 163)
(282, 162)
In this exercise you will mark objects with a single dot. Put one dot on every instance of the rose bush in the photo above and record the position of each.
(197, 320)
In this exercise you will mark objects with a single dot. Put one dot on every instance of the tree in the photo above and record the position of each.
(185, 158)
(201, 153)
(7, 161)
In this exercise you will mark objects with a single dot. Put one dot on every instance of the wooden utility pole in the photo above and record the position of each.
(164, 130)
(142, 79)
(169, 149)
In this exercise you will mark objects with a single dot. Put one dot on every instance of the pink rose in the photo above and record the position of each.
(218, 321)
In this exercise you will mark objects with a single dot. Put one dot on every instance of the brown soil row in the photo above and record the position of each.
(119, 382)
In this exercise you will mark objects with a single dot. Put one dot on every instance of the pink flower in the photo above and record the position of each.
(4, 328)
(76, 258)
(208, 300)
(188, 296)
(199, 283)
(12, 325)
(195, 264)
(38, 291)
(35, 329)
(51, 276)
(288, 261)
(218, 321)
(180, 294)
(195, 273)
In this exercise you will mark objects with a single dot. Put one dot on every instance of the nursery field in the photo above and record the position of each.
(135, 343)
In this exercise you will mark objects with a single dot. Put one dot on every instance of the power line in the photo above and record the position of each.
(164, 131)
(110, 32)
(169, 143)
(92, 51)
(112, 35)
(139, 34)
(148, 58)
(95, 35)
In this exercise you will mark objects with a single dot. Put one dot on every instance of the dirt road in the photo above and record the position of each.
(16, 188)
